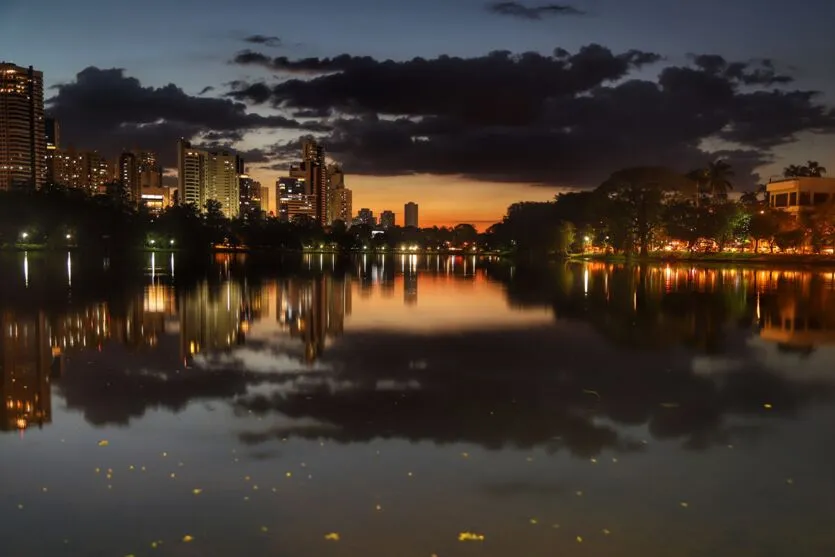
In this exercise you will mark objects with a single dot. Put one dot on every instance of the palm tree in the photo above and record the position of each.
(718, 176)
(795, 171)
(814, 169)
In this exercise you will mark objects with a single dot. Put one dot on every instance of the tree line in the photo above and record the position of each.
(643, 209)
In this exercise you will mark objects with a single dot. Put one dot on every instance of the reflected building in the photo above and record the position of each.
(410, 280)
(26, 366)
(210, 318)
(799, 315)
(313, 310)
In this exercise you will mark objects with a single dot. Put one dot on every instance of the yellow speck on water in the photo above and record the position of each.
(44, 489)
(187, 538)
(173, 475)
(578, 493)
(143, 468)
(246, 498)
(131, 467)
(534, 521)
(164, 453)
(20, 507)
(579, 539)
(409, 474)
(615, 460)
(465, 455)
(197, 491)
(246, 478)
(98, 470)
(470, 537)
(289, 474)
(104, 443)
(555, 526)
(594, 461)
(332, 537)
(684, 504)
(379, 507)
(790, 481)
(529, 459)
(606, 532)
(767, 406)
(264, 529)
(154, 545)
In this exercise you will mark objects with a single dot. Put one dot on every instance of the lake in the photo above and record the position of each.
(413, 406)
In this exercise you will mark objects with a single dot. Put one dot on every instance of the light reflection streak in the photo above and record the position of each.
(26, 268)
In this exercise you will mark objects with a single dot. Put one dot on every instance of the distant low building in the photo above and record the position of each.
(797, 194)
(366, 216)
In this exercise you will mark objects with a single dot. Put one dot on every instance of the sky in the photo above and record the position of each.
(462, 132)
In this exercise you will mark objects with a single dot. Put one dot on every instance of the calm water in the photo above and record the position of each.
(246, 407)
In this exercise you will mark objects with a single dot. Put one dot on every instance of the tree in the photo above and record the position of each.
(810, 169)
(718, 176)
(639, 194)
(814, 169)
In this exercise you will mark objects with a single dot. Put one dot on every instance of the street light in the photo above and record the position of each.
(69, 236)
(170, 242)
(152, 242)
(24, 235)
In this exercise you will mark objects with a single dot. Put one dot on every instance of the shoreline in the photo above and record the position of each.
(730, 258)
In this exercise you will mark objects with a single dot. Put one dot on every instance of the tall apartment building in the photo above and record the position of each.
(205, 175)
(223, 185)
(316, 176)
(191, 175)
(22, 133)
(250, 195)
(339, 197)
(410, 212)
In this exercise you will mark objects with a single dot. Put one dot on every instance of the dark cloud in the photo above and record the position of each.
(267, 40)
(565, 119)
(206, 89)
(104, 109)
(516, 9)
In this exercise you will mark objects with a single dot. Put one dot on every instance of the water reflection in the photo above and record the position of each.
(234, 323)
(452, 394)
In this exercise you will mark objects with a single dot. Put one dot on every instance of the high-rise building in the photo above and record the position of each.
(129, 175)
(316, 176)
(293, 199)
(205, 175)
(22, 132)
(366, 216)
(387, 219)
(223, 182)
(192, 169)
(410, 212)
(339, 197)
(250, 195)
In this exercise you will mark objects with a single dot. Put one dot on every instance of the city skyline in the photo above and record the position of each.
(469, 161)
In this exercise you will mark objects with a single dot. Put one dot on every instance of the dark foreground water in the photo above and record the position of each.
(414, 406)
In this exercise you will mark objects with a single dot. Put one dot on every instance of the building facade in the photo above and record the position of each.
(294, 199)
(22, 128)
(208, 175)
(410, 212)
(387, 219)
(794, 195)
